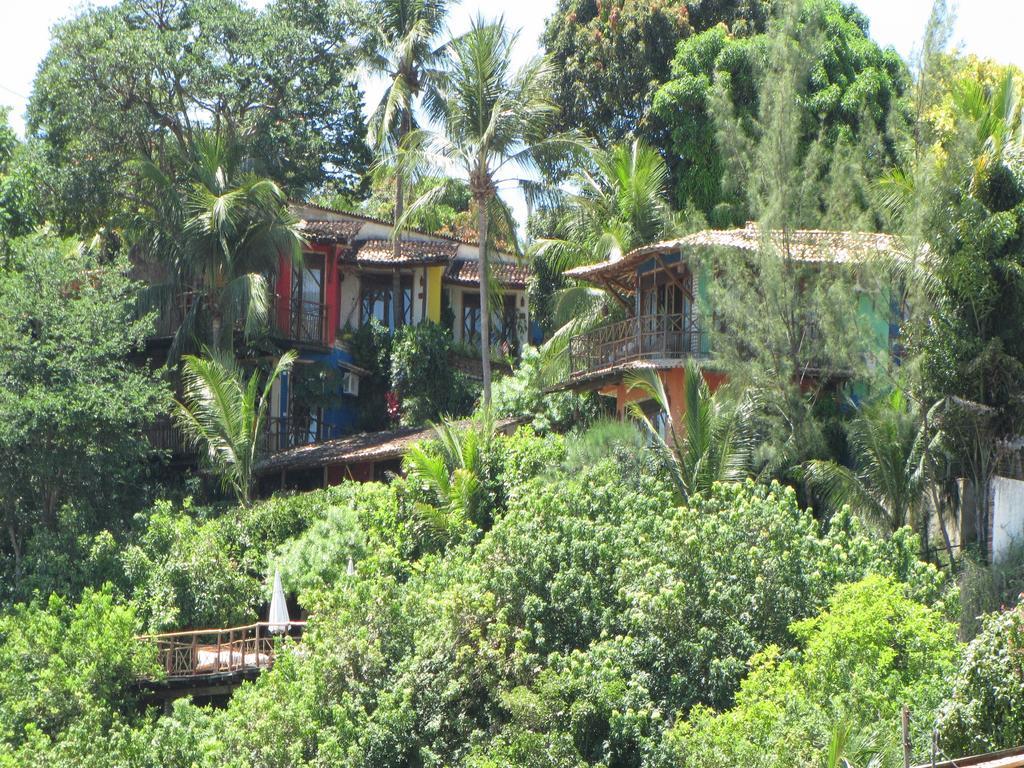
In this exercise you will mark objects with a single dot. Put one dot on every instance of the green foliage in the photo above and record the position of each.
(608, 58)
(73, 402)
(371, 346)
(185, 572)
(985, 709)
(22, 178)
(62, 663)
(524, 394)
(224, 416)
(134, 80)
(857, 662)
(217, 234)
(888, 483)
(849, 88)
(712, 441)
(423, 376)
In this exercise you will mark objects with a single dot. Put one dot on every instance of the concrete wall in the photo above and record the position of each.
(1007, 516)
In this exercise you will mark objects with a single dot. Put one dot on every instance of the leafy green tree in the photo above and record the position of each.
(857, 662)
(135, 80)
(64, 664)
(608, 57)
(23, 179)
(525, 394)
(73, 401)
(618, 202)
(224, 415)
(490, 119)
(449, 471)
(217, 235)
(713, 442)
(845, 102)
(424, 378)
(983, 712)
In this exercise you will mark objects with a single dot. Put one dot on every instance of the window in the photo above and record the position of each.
(471, 317)
(503, 326)
(308, 283)
(375, 299)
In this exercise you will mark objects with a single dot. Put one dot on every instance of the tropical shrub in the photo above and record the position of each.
(985, 709)
(524, 394)
(856, 663)
(422, 375)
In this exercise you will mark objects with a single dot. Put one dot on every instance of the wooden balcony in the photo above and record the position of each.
(301, 322)
(647, 337)
(200, 653)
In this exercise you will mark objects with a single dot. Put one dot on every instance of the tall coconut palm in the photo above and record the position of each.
(888, 484)
(403, 50)
(491, 120)
(713, 442)
(218, 235)
(223, 415)
(619, 201)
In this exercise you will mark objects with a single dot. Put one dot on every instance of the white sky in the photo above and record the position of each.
(990, 28)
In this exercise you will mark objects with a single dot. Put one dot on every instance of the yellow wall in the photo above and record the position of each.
(434, 276)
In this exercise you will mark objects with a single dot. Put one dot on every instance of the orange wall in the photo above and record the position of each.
(674, 381)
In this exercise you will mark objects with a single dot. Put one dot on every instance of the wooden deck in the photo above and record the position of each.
(204, 655)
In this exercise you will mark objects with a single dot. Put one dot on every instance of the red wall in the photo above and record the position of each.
(331, 297)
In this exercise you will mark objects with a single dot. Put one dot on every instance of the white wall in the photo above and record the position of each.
(1007, 516)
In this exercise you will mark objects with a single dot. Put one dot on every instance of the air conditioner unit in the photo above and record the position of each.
(349, 383)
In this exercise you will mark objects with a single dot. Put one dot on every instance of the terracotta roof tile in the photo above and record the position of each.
(466, 272)
(368, 446)
(330, 231)
(412, 252)
(808, 245)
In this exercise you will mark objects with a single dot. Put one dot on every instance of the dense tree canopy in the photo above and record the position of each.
(126, 81)
(852, 88)
(73, 402)
(611, 55)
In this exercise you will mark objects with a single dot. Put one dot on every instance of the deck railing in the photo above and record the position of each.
(216, 651)
(164, 435)
(286, 432)
(300, 321)
(647, 337)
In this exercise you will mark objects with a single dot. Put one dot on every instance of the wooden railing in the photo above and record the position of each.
(164, 435)
(216, 651)
(282, 433)
(647, 337)
(304, 322)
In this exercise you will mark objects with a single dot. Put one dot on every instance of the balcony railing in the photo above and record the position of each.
(647, 337)
(282, 433)
(304, 322)
(164, 435)
(202, 652)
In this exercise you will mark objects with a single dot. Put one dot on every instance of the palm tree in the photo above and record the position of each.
(619, 201)
(490, 119)
(713, 442)
(888, 484)
(402, 50)
(218, 235)
(450, 469)
(223, 415)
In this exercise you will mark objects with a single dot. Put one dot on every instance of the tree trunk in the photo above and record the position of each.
(396, 286)
(485, 309)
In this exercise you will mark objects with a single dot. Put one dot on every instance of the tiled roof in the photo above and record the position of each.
(331, 231)
(412, 252)
(368, 446)
(467, 272)
(808, 245)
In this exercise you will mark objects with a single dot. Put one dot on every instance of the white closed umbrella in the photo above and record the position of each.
(278, 620)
